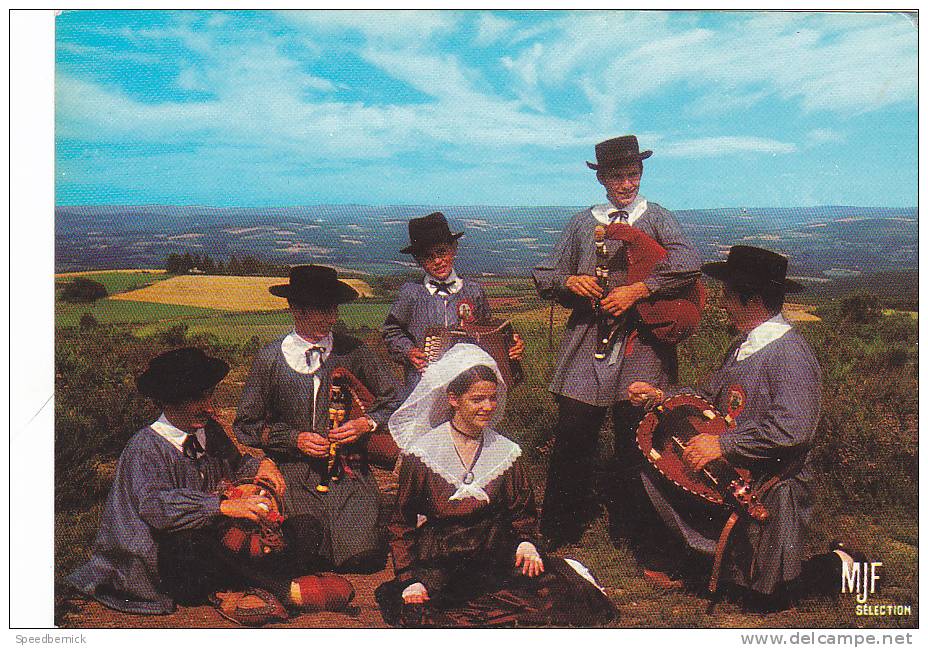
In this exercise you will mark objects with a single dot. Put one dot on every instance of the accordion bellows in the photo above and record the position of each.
(494, 336)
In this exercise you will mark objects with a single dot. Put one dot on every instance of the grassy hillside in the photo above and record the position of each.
(866, 449)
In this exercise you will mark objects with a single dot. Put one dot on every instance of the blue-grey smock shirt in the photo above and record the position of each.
(578, 375)
(157, 489)
(774, 394)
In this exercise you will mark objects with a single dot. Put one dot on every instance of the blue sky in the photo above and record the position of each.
(299, 108)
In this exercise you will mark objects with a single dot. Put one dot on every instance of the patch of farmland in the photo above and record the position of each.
(800, 313)
(238, 328)
(113, 311)
(222, 293)
(83, 273)
(115, 281)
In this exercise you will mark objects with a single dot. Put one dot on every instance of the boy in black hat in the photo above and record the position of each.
(769, 385)
(441, 299)
(159, 540)
(284, 410)
(586, 387)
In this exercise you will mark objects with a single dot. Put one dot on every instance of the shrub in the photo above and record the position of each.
(175, 336)
(83, 291)
(88, 321)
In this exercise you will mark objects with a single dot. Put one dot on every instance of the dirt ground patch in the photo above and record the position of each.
(364, 613)
(223, 293)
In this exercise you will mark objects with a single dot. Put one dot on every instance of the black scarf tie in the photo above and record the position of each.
(442, 286)
(192, 447)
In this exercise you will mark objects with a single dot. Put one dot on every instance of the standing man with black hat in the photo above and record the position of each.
(586, 387)
(440, 299)
(284, 410)
(769, 385)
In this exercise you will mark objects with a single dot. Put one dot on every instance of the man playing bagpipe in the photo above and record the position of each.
(441, 300)
(167, 531)
(605, 344)
(285, 410)
(768, 389)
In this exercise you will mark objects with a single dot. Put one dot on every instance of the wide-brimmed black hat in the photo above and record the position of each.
(315, 285)
(753, 268)
(428, 231)
(180, 374)
(617, 152)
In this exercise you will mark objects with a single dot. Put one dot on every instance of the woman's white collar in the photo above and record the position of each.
(436, 450)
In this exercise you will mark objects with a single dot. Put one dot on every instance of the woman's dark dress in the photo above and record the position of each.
(464, 552)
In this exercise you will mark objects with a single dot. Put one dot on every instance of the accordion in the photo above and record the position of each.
(494, 336)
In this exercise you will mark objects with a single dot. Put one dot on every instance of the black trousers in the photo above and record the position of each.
(193, 563)
(568, 502)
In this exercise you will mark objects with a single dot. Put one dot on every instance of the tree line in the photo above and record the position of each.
(246, 265)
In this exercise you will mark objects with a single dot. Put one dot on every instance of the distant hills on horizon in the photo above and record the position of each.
(823, 243)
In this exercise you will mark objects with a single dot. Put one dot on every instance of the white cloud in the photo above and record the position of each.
(557, 86)
(841, 63)
(85, 110)
(491, 28)
(703, 147)
(392, 26)
(824, 136)
(105, 53)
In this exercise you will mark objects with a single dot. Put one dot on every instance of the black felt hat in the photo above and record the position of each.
(180, 374)
(428, 231)
(753, 268)
(617, 152)
(315, 285)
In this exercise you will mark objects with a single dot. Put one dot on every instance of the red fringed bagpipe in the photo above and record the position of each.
(671, 319)
(254, 539)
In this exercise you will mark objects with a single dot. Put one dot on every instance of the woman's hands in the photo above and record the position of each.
(415, 593)
(528, 559)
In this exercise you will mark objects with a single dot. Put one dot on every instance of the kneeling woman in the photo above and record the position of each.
(464, 529)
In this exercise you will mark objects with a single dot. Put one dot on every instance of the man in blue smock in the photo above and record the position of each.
(769, 385)
(159, 538)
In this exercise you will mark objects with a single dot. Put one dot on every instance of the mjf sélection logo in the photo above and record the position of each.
(860, 579)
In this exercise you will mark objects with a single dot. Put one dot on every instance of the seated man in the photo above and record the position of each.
(284, 410)
(769, 385)
(159, 540)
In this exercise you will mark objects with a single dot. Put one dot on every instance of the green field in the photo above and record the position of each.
(146, 319)
(113, 311)
(117, 282)
(238, 328)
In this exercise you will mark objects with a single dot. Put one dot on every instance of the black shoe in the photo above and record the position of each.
(757, 603)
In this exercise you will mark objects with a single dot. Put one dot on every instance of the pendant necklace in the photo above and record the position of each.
(469, 474)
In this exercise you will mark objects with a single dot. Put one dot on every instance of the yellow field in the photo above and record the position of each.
(223, 293)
